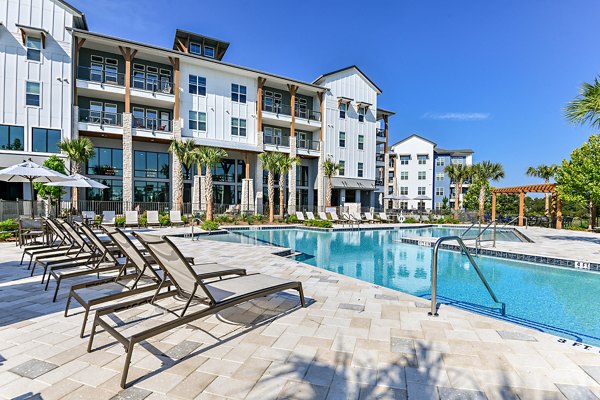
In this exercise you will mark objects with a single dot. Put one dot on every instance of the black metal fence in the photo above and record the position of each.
(13, 209)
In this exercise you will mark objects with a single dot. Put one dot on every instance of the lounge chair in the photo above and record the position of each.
(132, 219)
(30, 230)
(336, 219)
(216, 296)
(89, 217)
(383, 217)
(300, 216)
(356, 216)
(310, 216)
(369, 218)
(59, 244)
(152, 218)
(323, 216)
(143, 280)
(108, 218)
(175, 218)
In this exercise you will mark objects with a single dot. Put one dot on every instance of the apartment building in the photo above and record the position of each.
(420, 177)
(133, 99)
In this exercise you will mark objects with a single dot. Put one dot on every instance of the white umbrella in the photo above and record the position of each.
(422, 198)
(394, 197)
(28, 171)
(79, 181)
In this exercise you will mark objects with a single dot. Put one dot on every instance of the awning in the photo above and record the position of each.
(339, 182)
(32, 30)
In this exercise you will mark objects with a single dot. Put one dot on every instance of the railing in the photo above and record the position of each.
(152, 124)
(100, 117)
(154, 85)
(380, 133)
(277, 140)
(378, 182)
(13, 209)
(434, 269)
(307, 144)
(307, 114)
(100, 76)
(380, 158)
(284, 109)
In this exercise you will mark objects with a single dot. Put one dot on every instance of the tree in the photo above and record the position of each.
(458, 174)
(54, 192)
(578, 179)
(79, 151)
(270, 163)
(209, 157)
(471, 198)
(330, 168)
(183, 150)
(285, 165)
(483, 173)
(585, 108)
(544, 172)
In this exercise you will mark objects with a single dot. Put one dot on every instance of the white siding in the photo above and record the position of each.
(415, 146)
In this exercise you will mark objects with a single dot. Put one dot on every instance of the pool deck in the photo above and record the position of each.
(355, 340)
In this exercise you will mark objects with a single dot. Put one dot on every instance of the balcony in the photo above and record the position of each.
(152, 127)
(380, 135)
(305, 118)
(93, 82)
(378, 182)
(100, 121)
(380, 160)
(277, 141)
(152, 90)
(308, 147)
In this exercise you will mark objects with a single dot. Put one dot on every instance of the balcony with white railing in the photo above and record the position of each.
(304, 117)
(152, 127)
(90, 81)
(100, 121)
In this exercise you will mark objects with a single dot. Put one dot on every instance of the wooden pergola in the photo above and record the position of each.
(549, 188)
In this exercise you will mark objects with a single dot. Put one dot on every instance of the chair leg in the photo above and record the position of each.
(55, 290)
(85, 317)
(301, 294)
(48, 281)
(68, 302)
(126, 366)
(92, 334)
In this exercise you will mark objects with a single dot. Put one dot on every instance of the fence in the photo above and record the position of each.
(13, 209)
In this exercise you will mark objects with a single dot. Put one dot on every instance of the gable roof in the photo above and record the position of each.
(414, 135)
(81, 21)
(345, 69)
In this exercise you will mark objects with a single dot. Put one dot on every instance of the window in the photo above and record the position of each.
(439, 191)
(238, 126)
(209, 51)
(301, 175)
(361, 114)
(46, 140)
(439, 206)
(11, 137)
(34, 48)
(342, 169)
(343, 107)
(422, 159)
(238, 93)
(403, 190)
(32, 94)
(404, 160)
(360, 169)
(421, 191)
(403, 175)
(422, 175)
(151, 191)
(361, 142)
(440, 162)
(148, 164)
(195, 48)
(439, 176)
(197, 121)
(457, 160)
(113, 193)
(106, 162)
(139, 76)
(197, 85)
(342, 139)
(404, 205)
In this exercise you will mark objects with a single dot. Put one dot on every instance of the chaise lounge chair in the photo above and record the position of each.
(175, 218)
(108, 218)
(132, 219)
(216, 296)
(323, 216)
(152, 218)
(310, 216)
(300, 216)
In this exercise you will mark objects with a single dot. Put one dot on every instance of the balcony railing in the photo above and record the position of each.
(380, 132)
(152, 84)
(100, 117)
(153, 124)
(100, 76)
(380, 157)
(277, 140)
(378, 182)
(285, 109)
(307, 144)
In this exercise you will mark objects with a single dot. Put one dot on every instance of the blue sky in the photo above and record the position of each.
(491, 76)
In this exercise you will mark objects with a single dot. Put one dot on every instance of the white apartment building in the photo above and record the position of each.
(133, 99)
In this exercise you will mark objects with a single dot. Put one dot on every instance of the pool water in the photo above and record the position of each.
(555, 300)
(506, 235)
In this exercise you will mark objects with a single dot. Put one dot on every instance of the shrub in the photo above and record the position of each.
(143, 220)
(259, 218)
(97, 219)
(577, 228)
(120, 220)
(7, 229)
(164, 220)
(410, 220)
(318, 223)
(292, 219)
(210, 225)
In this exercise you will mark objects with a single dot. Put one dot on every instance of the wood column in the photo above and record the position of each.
(78, 44)
(558, 211)
(259, 101)
(521, 208)
(493, 206)
(321, 105)
(293, 89)
(128, 55)
(175, 63)
(385, 130)
(247, 161)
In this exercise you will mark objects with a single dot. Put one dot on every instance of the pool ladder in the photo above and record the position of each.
(434, 270)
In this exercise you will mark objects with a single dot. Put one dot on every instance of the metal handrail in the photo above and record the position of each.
(468, 229)
(516, 219)
(434, 269)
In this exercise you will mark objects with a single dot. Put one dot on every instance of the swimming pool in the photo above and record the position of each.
(556, 300)
(505, 235)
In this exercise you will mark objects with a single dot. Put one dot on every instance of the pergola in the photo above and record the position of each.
(550, 188)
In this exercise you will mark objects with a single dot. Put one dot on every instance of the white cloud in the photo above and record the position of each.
(457, 116)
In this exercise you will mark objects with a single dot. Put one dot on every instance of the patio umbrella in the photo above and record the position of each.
(79, 181)
(28, 171)
(422, 198)
(394, 197)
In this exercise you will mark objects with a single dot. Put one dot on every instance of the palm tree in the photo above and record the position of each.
(330, 168)
(270, 163)
(285, 165)
(209, 157)
(458, 174)
(585, 108)
(183, 150)
(544, 172)
(79, 151)
(484, 172)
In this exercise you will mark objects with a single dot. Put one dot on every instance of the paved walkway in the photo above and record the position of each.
(354, 340)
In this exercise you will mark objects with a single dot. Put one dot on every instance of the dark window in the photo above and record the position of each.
(238, 93)
(113, 193)
(106, 162)
(195, 48)
(11, 137)
(148, 164)
(360, 169)
(46, 140)
(301, 175)
(197, 85)
(151, 191)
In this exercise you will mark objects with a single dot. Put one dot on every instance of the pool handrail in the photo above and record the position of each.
(468, 229)
(434, 269)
